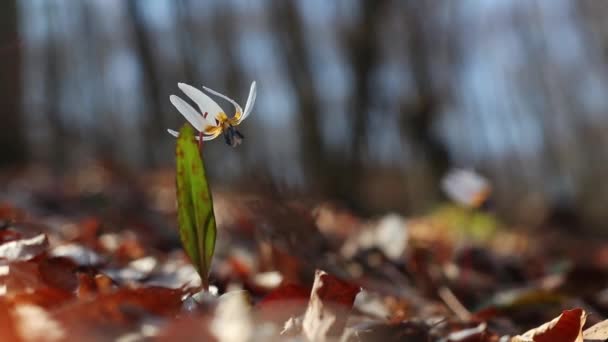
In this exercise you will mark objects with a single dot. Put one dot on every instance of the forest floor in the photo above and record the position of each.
(95, 255)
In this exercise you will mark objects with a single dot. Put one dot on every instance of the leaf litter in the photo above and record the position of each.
(285, 270)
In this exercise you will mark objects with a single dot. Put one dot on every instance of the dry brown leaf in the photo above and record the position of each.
(598, 331)
(331, 300)
(24, 249)
(567, 327)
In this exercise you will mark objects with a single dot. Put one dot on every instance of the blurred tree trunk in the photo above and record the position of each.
(225, 36)
(12, 139)
(363, 55)
(52, 87)
(104, 136)
(362, 51)
(285, 16)
(421, 113)
(154, 124)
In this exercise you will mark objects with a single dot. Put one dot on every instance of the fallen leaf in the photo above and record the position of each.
(598, 331)
(24, 249)
(121, 306)
(287, 300)
(233, 321)
(567, 327)
(331, 300)
(59, 272)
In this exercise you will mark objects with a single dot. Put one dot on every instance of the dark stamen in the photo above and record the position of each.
(233, 137)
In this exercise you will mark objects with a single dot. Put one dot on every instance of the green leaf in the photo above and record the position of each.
(197, 227)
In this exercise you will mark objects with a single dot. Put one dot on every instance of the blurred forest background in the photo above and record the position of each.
(366, 102)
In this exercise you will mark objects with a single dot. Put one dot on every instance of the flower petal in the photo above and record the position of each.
(193, 117)
(250, 100)
(238, 110)
(173, 133)
(204, 103)
(208, 137)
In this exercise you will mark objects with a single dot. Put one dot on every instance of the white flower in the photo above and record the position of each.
(466, 187)
(212, 121)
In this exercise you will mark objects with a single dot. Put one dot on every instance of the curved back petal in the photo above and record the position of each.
(250, 100)
(204, 102)
(238, 110)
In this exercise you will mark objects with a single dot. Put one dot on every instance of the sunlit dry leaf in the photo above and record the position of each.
(23, 249)
(567, 327)
(331, 300)
(35, 324)
(233, 321)
(292, 327)
(598, 331)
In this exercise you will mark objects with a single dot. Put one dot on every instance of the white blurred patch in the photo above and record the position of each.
(33, 323)
(80, 254)
(110, 242)
(268, 280)
(23, 249)
(175, 273)
(371, 304)
(233, 321)
(389, 235)
(147, 331)
(465, 187)
(4, 270)
(135, 270)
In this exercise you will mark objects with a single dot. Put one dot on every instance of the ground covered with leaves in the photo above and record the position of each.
(94, 255)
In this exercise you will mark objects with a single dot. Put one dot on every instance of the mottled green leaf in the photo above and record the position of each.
(197, 228)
